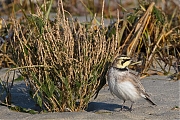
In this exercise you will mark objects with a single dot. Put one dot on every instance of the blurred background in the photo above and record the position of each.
(84, 7)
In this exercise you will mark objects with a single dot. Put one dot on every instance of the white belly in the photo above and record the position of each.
(124, 90)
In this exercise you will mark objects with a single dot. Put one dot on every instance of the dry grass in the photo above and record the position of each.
(64, 62)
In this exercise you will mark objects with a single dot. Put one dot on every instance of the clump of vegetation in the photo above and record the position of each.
(62, 61)
(65, 62)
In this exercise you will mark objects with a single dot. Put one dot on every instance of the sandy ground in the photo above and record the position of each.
(163, 92)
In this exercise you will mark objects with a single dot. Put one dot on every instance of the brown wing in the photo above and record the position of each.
(140, 88)
(134, 80)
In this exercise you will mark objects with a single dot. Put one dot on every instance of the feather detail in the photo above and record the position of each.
(150, 101)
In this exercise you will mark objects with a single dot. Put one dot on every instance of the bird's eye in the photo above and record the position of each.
(125, 60)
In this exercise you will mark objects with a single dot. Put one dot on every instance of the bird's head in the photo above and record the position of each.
(122, 62)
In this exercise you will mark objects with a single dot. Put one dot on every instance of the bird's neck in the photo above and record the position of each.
(121, 69)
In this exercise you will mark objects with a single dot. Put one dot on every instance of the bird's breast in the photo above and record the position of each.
(121, 87)
(113, 77)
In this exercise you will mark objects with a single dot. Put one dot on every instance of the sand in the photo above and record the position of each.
(163, 91)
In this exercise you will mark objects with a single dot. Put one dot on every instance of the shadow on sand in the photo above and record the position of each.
(21, 98)
(96, 106)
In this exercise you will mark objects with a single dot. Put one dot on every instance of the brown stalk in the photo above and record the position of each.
(139, 29)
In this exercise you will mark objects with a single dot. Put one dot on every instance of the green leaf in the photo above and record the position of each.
(78, 84)
(25, 50)
(49, 9)
(52, 88)
(159, 16)
(39, 100)
(37, 21)
(20, 78)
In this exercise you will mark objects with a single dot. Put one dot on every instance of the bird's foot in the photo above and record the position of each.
(123, 109)
(130, 109)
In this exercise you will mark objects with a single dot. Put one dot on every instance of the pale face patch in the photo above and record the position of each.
(122, 62)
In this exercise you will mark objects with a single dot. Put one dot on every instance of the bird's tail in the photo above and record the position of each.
(149, 100)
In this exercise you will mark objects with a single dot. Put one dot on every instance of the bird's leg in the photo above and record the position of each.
(130, 109)
(123, 105)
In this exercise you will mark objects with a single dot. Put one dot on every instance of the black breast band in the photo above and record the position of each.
(121, 69)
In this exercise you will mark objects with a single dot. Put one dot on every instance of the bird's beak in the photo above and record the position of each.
(134, 63)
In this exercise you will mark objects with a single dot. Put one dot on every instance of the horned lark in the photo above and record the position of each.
(124, 84)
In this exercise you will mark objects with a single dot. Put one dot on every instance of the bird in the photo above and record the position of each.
(125, 84)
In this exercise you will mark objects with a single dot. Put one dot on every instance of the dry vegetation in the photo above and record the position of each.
(64, 62)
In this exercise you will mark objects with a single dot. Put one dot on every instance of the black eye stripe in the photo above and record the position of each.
(125, 60)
